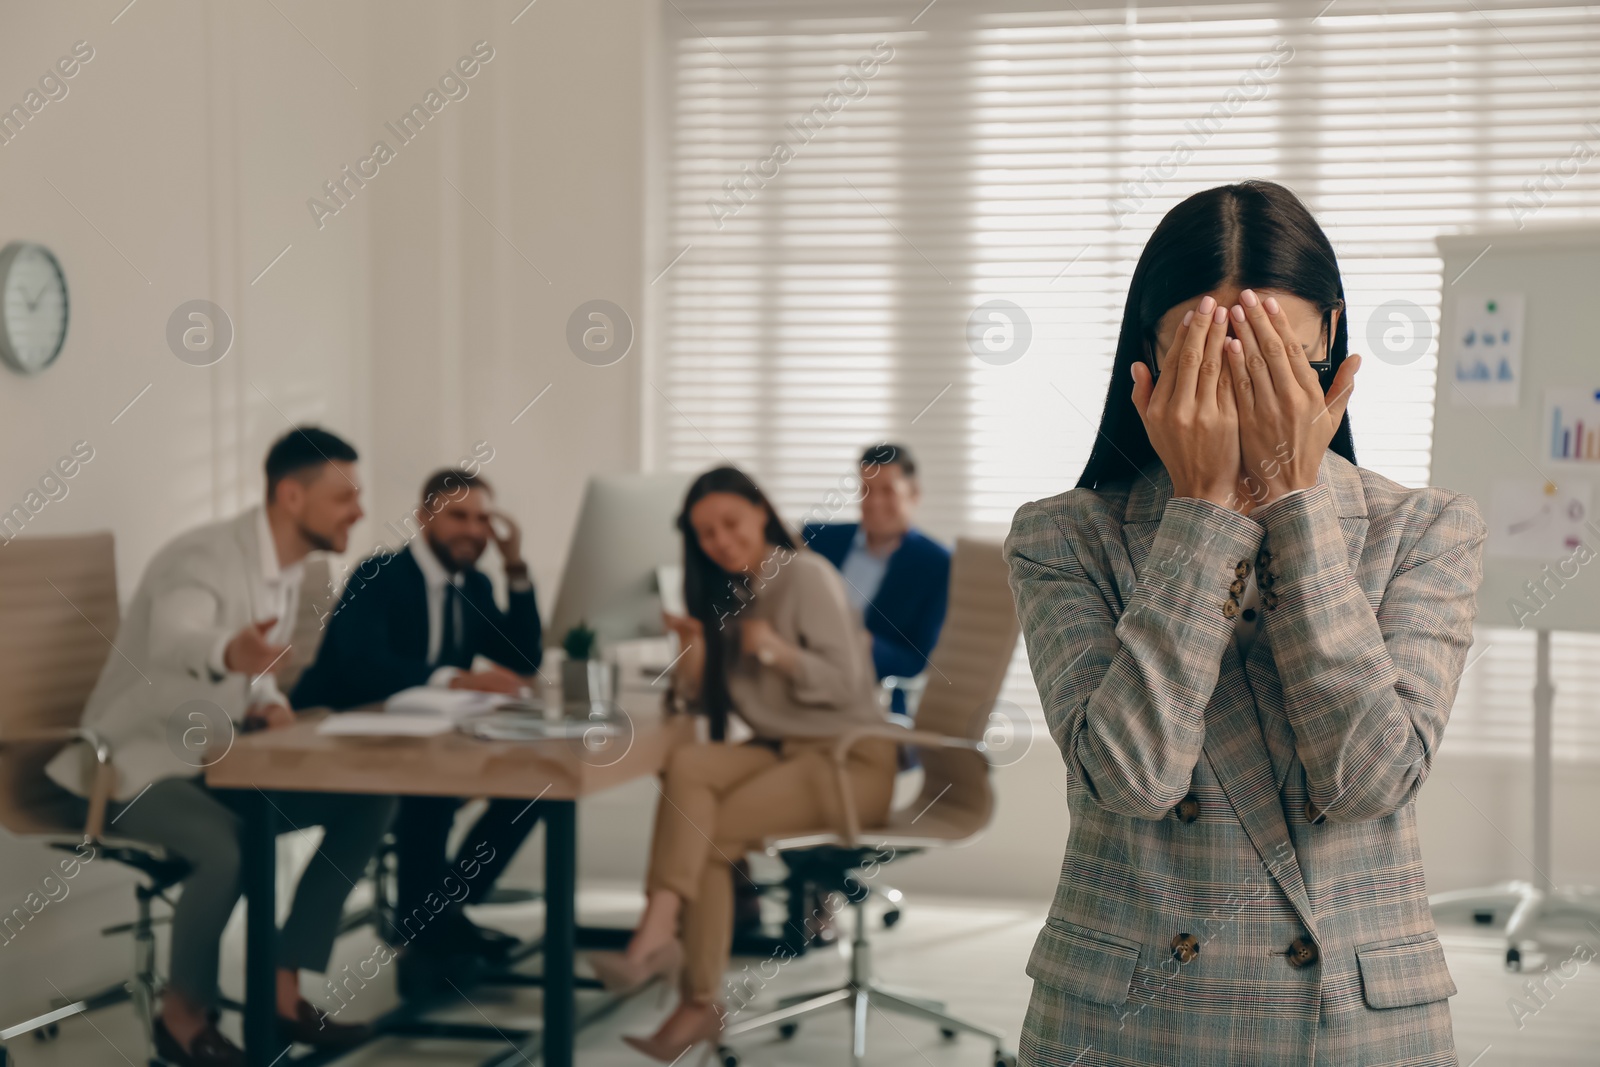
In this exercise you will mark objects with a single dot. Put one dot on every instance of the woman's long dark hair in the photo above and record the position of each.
(713, 595)
(1255, 235)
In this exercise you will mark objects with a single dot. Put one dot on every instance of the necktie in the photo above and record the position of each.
(450, 628)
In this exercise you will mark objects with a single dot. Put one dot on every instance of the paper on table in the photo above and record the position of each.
(381, 724)
(452, 705)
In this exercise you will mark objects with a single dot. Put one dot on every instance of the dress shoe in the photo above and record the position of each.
(427, 973)
(208, 1049)
(706, 1031)
(314, 1028)
(621, 976)
(494, 946)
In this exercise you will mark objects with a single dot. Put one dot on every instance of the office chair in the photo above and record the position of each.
(966, 670)
(58, 615)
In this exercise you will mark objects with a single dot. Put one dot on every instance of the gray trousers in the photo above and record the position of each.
(191, 821)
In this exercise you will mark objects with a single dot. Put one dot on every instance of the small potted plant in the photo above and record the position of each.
(585, 678)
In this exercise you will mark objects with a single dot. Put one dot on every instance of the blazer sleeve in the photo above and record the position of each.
(512, 638)
(356, 663)
(1368, 692)
(186, 628)
(829, 638)
(1125, 691)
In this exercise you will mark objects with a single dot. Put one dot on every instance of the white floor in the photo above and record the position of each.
(966, 953)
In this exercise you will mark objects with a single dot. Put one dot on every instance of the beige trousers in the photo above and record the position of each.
(718, 801)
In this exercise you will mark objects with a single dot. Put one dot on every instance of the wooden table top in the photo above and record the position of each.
(452, 764)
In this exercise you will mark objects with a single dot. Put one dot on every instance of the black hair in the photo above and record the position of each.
(885, 453)
(301, 452)
(453, 482)
(713, 595)
(1255, 234)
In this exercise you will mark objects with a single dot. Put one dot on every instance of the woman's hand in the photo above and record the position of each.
(1285, 421)
(688, 630)
(689, 667)
(758, 638)
(1189, 411)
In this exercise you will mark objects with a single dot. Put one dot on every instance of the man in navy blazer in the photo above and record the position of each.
(898, 577)
(422, 616)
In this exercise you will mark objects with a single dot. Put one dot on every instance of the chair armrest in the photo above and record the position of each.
(910, 685)
(886, 732)
(105, 775)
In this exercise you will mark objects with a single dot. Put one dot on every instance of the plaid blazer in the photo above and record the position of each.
(1242, 881)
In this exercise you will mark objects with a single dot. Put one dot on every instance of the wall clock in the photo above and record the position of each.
(33, 307)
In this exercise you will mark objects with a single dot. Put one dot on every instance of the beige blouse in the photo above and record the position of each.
(834, 687)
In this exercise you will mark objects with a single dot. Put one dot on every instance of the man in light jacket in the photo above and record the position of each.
(194, 662)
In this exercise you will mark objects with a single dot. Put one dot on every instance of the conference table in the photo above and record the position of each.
(558, 773)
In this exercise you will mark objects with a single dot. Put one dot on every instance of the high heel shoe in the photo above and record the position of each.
(621, 976)
(706, 1032)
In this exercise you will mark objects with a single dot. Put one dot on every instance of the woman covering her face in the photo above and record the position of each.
(1247, 648)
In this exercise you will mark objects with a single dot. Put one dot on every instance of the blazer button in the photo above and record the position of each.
(1241, 568)
(1185, 947)
(1266, 579)
(1302, 952)
(1269, 599)
(1230, 608)
(1315, 815)
(1237, 586)
(1188, 809)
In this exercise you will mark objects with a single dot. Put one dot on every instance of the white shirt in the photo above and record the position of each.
(275, 594)
(434, 578)
(863, 570)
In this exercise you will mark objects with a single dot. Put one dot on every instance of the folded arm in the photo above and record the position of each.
(1125, 692)
(1368, 693)
(828, 648)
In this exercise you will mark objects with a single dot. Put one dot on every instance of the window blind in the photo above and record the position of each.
(849, 187)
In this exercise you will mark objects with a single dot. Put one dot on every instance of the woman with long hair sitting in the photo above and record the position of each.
(770, 637)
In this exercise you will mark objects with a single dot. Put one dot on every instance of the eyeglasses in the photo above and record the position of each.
(1321, 366)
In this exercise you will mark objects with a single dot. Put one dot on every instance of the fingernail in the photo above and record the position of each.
(1219, 316)
(1238, 313)
(1206, 304)
(1187, 316)
(1248, 298)
(1271, 304)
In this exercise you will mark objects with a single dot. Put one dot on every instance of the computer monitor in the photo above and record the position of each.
(625, 543)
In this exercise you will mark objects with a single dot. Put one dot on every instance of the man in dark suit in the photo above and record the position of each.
(896, 576)
(422, 616)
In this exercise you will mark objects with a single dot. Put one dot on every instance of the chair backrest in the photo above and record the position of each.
(965, 673)
(58, 618)
(316, 601)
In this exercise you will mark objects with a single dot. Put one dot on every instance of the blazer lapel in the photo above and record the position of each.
(1249, 743)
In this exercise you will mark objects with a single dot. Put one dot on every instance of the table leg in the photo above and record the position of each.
(560, 934)
(259, 860)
